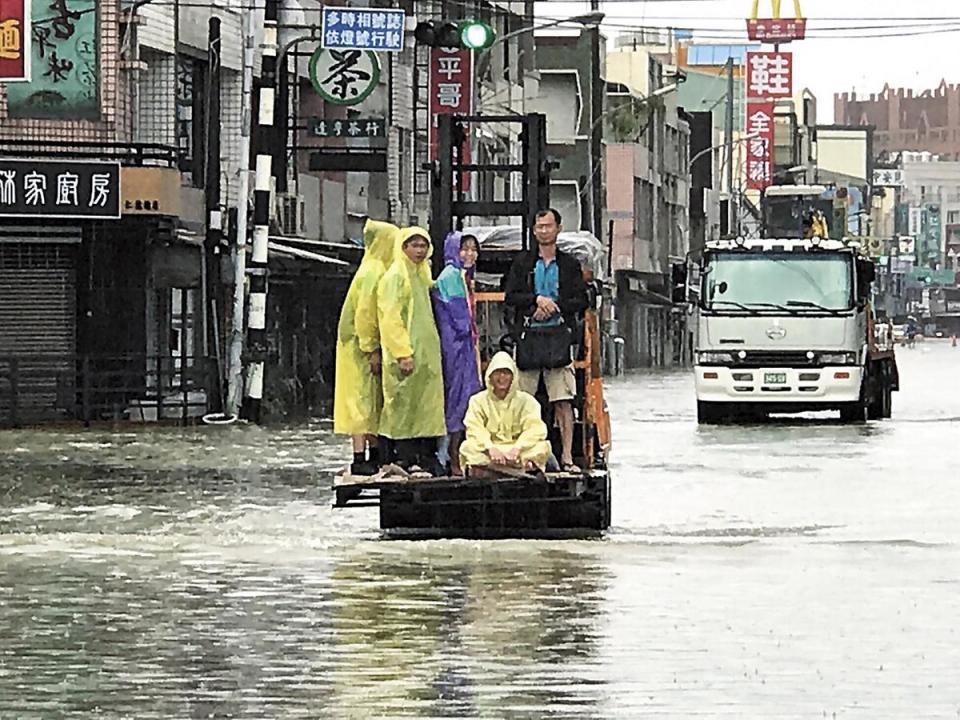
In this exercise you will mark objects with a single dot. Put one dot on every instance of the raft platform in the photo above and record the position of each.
(557, 505)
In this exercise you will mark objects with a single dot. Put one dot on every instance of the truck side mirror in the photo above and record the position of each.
(866, 274)
(678, 283)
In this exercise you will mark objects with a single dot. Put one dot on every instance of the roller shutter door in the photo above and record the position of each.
(38, 319)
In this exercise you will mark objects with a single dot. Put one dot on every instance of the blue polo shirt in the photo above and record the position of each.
(546, 282)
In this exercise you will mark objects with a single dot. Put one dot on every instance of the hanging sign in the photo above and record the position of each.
(344, 77)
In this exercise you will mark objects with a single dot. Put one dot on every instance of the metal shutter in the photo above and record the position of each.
(38, 320)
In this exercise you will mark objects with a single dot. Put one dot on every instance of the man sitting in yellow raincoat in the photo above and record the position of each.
(358, 396)
(412, 373)
(503, 424)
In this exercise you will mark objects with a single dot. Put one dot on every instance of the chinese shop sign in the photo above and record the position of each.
(14, 41)
(344, 77)
(59, 189)
(760, 145)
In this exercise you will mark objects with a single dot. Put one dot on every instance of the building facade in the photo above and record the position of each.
(927, 121)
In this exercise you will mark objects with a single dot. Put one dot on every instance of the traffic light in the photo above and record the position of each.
(465, 35)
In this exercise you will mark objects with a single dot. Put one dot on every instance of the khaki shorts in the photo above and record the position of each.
(561, 383)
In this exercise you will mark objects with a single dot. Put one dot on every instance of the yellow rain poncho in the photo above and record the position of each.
(358, 397)
(513, 422)
(412, 404)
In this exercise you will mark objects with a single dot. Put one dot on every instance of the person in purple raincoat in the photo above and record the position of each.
(454, 307)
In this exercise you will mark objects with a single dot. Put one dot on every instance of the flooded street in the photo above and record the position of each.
(800, 569)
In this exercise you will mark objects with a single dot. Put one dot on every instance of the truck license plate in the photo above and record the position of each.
(775, 378)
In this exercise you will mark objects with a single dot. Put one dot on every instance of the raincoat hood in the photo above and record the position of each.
(400, 256)
(502, 361)
(380, 240)
(451, 249)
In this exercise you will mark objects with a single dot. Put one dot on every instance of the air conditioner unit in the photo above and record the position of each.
(290, 209)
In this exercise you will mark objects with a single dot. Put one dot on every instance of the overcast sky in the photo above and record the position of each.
(824, 63)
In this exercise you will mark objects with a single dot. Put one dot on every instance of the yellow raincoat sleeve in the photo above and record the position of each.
(391, 300)
(534, 429)
(366, 324)
(475, 423)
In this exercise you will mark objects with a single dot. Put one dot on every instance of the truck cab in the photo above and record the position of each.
(786, 326)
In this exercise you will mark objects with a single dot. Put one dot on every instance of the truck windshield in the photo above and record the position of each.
(769, 281)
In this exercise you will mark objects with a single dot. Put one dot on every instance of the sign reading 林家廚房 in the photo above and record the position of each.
(344, 77)
(64, 64)
(59, 189)
(362, 29)
(352, 128)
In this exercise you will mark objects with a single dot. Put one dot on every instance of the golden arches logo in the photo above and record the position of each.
(776, 9)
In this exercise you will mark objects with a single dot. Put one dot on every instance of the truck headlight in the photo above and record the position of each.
(714, 358)
(843, 358)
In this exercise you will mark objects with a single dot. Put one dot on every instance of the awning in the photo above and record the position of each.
(304, 254)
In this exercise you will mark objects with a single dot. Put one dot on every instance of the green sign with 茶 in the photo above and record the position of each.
(65, 67)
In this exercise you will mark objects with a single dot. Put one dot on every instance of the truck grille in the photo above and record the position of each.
(758, 359)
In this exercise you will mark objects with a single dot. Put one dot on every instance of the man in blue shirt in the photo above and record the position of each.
(546, 287)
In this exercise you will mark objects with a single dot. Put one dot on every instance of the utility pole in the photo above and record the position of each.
(732, 210)
(235, 356)
(212, 283)
(263, 180)
(596, 179)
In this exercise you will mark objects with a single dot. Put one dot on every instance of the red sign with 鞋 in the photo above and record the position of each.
(769, 75)
(14, 41)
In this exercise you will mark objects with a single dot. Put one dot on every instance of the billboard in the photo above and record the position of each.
(64, 61)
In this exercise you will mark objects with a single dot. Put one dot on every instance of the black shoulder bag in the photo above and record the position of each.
(541, 348)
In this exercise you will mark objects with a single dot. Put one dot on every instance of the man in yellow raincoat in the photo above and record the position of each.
(503, 424)
(412, 373)
(358, 396)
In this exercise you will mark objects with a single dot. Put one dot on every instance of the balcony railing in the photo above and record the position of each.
(129, 154)
(36, 389)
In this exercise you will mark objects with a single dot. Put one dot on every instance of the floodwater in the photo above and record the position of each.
(799, 569)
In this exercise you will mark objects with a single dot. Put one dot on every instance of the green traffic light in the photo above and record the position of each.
(476, 35)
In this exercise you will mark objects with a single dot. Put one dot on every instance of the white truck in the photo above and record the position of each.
(786, 326)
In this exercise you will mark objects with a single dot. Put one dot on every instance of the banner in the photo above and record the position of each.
(64, 63)
(760, 146)
(14, 41)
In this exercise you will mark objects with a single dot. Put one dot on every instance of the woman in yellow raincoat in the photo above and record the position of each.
(503, 424)
(412, 374)
(358, 396)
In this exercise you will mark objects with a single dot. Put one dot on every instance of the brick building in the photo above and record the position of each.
(929, 121)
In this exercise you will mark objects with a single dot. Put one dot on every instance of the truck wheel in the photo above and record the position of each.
(709, 413)
(855, 412)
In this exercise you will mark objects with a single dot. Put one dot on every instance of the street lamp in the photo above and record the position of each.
(590, 19)
(703, 152)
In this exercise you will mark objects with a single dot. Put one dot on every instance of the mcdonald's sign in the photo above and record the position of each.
(14, 41)
(776, 29)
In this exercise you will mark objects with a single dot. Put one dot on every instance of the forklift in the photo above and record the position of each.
(557, 504)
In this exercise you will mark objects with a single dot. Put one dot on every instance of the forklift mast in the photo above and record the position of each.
(449, 197)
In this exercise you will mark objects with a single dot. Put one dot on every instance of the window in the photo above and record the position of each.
(760, 282)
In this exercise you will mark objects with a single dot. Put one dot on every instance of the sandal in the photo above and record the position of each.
(572, 469)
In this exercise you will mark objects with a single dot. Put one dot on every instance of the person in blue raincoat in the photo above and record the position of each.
(454, 308)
